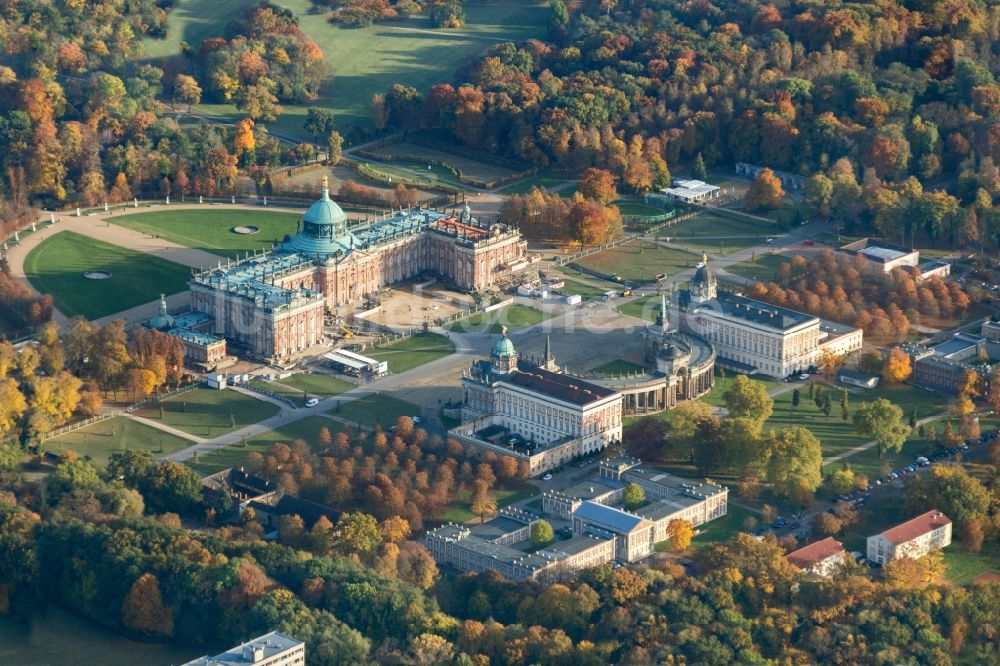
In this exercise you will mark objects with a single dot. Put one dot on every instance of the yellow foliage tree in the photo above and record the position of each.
(897, 367)
(12, 404)
(244, 139)
(680, 532)
(829, 362)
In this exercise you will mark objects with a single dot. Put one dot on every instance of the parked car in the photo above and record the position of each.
(923, 462)
(416, 420)
(312, 402)
(547, 477)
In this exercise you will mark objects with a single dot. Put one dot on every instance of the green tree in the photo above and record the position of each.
(173, 487)
(748, 399)
(698, 169)
(950, 490)
(882, 421)
(358, 533)
(319, 123)
(70, 475)
(633, 496)
(842, 480)
(844, 411)
(541, 533)
(796, 458)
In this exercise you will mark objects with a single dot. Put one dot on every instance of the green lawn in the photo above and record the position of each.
(526, 185)
(211, 230)
(411, 352)
(720, 529)
(640, 260)
(764, 269)
(722, 384)
(585, 291)
(57, 266)
(306, 429)
(470, 168)
(97, 442)
(515, 317)
(834, 433)
(459, 509)
(618, 367)
(963, 566)
(210, 413)
(372, 409)
(637, 209)
(192, 21)
(364, 61)
(645, 307)
(870, 464)
(316, 384)
(717, 234)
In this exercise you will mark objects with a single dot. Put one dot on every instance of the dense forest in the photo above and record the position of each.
(889, 108)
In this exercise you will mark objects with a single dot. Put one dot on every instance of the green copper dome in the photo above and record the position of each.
(503, 348)
(162, 321)
(326, 210)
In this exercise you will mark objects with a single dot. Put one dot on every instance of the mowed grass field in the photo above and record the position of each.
(469, 167)
(374, 409)
(212, 230)
(210, 413)
(98, 441)
(365, 61)
(234, 455)
(515, 317)
(717, 234)
(644, 307)
(412, 352)
(641, 260)
(835, 434)
(57, 266)
(763, 269)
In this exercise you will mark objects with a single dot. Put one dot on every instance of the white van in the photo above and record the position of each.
(312, 402)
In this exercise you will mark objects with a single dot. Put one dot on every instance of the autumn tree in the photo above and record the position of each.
(897, 368)
(143, 610)
(358, 532)
(186, 90)
(483, 503)
(765, 193)
(906, 573)
(598, 185)
(680, 533)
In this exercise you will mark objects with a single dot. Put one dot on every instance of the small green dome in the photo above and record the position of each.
(503, 348)
(162, 321)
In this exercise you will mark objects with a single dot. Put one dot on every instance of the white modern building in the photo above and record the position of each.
(534, 413)
(823, 558)
(273, 649)
(752, 336)
(691, 191)
(914, 538)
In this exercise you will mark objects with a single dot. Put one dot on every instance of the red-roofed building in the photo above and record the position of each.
(914, 538)
(822, 558)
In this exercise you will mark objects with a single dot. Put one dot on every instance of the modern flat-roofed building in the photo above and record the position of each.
(691, 191)
(859, 379)
(883, 256)
(915, 538)
(668, 497)
(499, 545)
(273, 649)
(991, 330)
(822, 558)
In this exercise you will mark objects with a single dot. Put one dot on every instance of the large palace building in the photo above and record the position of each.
(754, 337)
(532, 412)
(272, 304)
